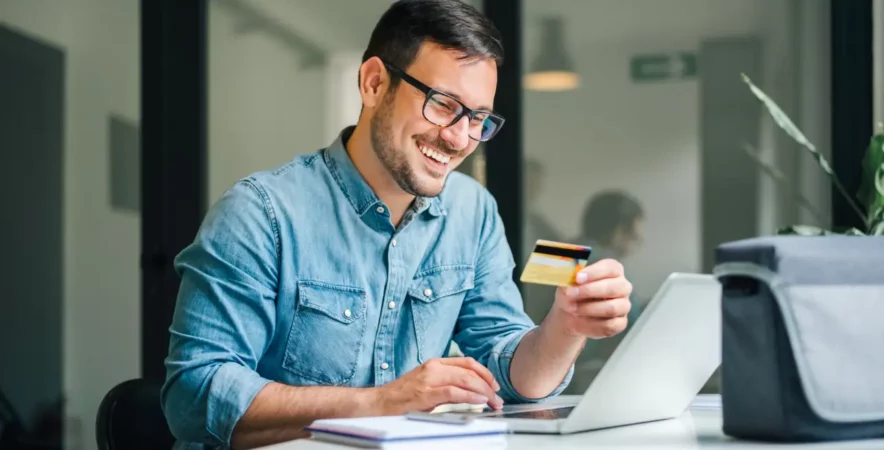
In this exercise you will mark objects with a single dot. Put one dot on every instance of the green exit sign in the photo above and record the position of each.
(663, 66)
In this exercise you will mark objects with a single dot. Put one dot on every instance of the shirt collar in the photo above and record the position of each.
(354, 187)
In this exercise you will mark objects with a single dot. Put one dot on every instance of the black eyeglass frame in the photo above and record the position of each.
(429, 92)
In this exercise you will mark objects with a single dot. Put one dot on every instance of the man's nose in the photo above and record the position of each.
(457, 134)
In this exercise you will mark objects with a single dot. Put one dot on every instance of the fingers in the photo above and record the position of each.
(468, 380)
(605, 268)
(601, 289)
(472, 364)
(602, 309)
(601, 328)
(461, 374)
(454, 394)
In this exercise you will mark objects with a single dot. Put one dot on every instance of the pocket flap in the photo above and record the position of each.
(837, 340)
(342, 303)
(442, 281)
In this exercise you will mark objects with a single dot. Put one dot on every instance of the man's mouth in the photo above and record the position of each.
(433, 154)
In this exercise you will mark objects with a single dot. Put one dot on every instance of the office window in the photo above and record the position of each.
(636, 128)
(69, 274)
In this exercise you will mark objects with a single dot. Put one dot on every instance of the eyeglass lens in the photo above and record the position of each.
(443, 110)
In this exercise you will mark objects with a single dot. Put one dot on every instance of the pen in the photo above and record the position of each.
(449, 418)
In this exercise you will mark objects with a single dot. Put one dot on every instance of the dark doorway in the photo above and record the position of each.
(729, 180)
(31, 142)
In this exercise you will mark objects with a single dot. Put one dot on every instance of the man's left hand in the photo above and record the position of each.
(596, 307)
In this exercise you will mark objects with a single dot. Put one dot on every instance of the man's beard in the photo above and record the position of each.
(396, 161)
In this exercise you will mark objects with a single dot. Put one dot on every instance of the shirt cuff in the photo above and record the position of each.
(232, 390)
(499, 365)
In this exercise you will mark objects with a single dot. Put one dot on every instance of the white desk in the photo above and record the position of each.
(694, 429)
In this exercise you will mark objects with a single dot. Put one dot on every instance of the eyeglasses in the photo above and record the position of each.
(443, 110)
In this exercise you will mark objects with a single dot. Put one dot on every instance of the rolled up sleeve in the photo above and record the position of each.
(224, 318)
(492, 321)
(499, 365)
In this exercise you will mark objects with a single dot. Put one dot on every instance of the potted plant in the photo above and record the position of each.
(869, 201)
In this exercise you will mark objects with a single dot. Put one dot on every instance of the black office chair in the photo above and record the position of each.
(11, 427)
(130, 417)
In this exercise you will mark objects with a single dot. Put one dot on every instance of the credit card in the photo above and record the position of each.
(555, 263)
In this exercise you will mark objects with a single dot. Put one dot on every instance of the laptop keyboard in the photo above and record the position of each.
(542, 414)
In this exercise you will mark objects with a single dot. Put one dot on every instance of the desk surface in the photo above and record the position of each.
(697, 428)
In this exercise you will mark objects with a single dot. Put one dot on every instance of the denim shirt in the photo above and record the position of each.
(297, 275)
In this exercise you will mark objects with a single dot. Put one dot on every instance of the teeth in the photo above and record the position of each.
(435, 155)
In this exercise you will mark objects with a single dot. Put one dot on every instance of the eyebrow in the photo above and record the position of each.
(481, 108)
(404, 74)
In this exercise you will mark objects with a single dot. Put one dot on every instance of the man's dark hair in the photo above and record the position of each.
(452, 24)
(608, 211)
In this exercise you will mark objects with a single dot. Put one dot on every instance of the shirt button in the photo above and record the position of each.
(392, 305)
(394, 242)
(385, 366)
(381, 209)
(347, 313)
(428, 292)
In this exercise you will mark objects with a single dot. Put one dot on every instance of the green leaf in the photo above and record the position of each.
(809, 230)
(804, 230)
(780, 117)
(871, 190)
(783, 121)
(879, 182)
(853, 232)
(876, 225)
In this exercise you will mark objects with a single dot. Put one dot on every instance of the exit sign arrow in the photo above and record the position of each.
(663, 66)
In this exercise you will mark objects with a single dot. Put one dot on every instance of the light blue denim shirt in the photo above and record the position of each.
(297, 275)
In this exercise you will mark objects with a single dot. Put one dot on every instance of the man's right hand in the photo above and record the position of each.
(438, 382)
(279, 412)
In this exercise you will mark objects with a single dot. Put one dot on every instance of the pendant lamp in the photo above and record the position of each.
(552, 69)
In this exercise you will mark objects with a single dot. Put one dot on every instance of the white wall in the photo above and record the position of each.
(101, 275)
(343, 101)
(264, 108)
(612, 133)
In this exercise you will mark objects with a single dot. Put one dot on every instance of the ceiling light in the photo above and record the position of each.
(553, 69)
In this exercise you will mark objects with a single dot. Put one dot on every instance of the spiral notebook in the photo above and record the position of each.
(392, 432)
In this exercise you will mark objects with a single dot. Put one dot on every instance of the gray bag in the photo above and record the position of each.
(802, 337)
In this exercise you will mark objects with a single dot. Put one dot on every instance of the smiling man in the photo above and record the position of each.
(333, 285)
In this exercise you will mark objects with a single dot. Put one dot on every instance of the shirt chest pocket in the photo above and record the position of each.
(436, 297)
(326, 335)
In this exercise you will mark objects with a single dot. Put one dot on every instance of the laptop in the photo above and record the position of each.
(654, 373)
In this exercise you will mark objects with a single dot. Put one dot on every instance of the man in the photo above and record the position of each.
(333, 285)
(612, 224)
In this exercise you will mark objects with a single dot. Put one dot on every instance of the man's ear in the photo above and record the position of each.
(374, 80)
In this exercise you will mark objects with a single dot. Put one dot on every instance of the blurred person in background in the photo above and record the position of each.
(612, 225)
